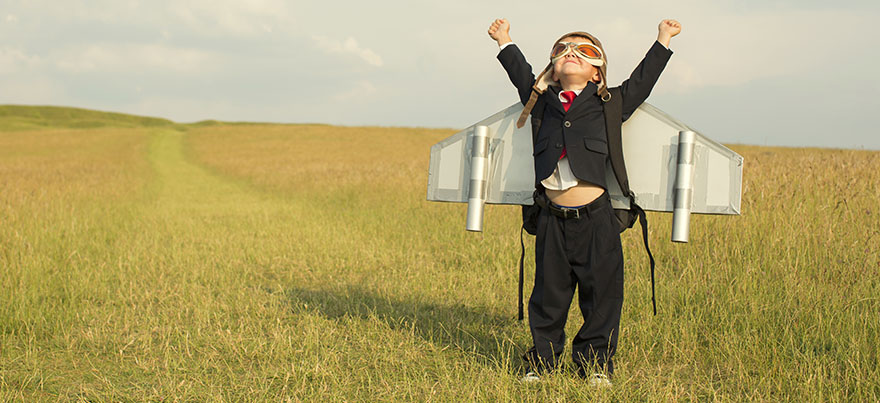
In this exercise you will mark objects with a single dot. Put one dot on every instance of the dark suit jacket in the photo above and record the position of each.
(581, 130)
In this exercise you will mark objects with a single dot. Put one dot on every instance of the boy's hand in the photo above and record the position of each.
(668, 29)
(500, 31)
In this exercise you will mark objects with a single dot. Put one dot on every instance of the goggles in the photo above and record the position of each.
(587, 51)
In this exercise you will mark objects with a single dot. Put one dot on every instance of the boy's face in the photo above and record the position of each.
(572, 69)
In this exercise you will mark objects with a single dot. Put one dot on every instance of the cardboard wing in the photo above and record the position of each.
(666, 171)
(511, 176)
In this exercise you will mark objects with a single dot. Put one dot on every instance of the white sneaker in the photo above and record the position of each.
(599, 381)
(530, 377)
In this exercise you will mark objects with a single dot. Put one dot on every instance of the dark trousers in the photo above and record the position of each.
(582, 252)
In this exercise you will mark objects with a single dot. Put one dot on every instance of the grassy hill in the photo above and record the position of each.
(22, 117)
(27, 117)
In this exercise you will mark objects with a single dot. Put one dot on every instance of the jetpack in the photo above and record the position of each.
(671, 168)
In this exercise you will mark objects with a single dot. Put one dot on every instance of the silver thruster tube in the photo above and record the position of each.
(684, 187)
(478, 187)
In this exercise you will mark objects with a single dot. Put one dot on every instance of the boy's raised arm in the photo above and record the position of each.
(518, 69)
(640, 83)
(500, 31)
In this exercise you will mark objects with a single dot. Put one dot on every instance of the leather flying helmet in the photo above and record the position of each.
(545, 79)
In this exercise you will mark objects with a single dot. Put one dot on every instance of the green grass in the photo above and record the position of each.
(18, 117)
(218, 262)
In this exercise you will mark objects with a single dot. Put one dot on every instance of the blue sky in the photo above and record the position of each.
(795, 73)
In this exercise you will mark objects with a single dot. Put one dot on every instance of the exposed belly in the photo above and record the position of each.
(582, 193)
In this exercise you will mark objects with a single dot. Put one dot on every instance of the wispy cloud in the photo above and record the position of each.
(348, 46)
(13, 60)
(231, 16)
(116, 58)
(361, 90)
(212, 18)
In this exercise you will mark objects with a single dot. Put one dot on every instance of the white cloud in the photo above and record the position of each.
(348, 46)
(13, 60)
(107, 11)
(12, 18)
(205, 17)
(231, 16)
(361, 90)
(134, 57)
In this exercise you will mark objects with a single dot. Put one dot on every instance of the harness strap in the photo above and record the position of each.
(533, 98)
(643, 221)
(613, 122)
(522, 256)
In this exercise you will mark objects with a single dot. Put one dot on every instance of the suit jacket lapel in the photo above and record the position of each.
(590, 89)
(554, 94)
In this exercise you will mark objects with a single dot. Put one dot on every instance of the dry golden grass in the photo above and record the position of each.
(63, 164)
(302, 262)
(799, 265)
(307, 158)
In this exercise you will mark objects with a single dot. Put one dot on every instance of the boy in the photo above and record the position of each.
(577, 242)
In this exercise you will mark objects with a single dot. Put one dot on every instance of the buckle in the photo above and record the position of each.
(570, 212)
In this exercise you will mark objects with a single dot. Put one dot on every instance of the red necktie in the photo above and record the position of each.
(569, 97)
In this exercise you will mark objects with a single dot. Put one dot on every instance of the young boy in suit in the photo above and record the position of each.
(577, 242)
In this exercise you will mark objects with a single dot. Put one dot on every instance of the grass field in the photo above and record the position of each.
(144, 260)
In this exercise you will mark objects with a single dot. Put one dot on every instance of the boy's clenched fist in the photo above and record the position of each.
(500, 31)
(668, 29)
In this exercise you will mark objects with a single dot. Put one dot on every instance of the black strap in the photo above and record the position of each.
(613, 121)
(522, 256)
(643, 221)
(613, 129)
(537, 115)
